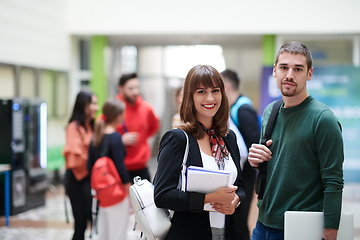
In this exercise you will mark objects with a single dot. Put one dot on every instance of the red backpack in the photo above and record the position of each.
(106, 182)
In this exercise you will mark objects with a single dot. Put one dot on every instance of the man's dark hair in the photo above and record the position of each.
(126, 77)
(296, 48)
(232, 77)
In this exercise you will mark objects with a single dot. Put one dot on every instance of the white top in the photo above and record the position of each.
(240, 142)
(218, 219)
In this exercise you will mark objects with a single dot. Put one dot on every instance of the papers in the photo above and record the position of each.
(204, 180)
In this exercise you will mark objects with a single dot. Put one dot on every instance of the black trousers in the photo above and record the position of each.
(143, 173)
(79, 193)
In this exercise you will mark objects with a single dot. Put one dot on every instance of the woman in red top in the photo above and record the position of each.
(78, 136)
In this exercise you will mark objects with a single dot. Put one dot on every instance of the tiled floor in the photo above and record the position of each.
(49, 222)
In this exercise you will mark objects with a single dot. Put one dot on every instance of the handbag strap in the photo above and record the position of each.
(183, 170)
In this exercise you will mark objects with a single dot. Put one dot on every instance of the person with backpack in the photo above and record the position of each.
(79, 132)
(106, 164)
(204, 112)
(305, 154)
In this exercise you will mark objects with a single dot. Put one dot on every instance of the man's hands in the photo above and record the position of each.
(129, 138)
(259, 153)
(330, 234)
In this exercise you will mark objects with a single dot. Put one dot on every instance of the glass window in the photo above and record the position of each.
(84, 48)
(47, 90)
(128, 59)
(27, 83)
(180, 59)
(7, 82)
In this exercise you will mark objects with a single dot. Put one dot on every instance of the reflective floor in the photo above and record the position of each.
(49, 222)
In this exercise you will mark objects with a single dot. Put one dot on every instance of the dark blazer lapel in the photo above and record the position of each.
(233, 149)
(194, 158)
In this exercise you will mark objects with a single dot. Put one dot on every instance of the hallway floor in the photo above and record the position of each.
(49, 222)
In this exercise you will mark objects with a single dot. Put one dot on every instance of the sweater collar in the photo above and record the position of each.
(297, 107)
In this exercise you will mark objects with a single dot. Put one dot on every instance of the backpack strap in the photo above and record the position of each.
(271, 121)
(183, 170)
(105, 147)
(261, 175)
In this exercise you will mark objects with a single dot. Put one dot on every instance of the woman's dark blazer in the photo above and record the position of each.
(189, 220)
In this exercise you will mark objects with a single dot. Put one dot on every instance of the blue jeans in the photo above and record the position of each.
(262, 232)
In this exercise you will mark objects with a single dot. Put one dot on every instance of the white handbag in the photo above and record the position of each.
(152, 221)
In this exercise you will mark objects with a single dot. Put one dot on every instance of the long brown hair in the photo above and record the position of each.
(110, 111)
(209, 77)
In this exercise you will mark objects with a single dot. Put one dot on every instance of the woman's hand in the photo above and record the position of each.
(223, 195)
(227, 209)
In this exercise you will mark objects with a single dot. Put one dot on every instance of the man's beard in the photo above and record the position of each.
(130, 100)
(288, 93)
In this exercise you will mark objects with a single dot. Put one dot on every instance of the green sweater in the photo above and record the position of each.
(305, 172)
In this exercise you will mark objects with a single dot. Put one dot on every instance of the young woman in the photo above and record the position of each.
(112, 221)
(79, 132)
(205, 113)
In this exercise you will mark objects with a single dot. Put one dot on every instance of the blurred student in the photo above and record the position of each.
(112, 220)
(205, 113)
(140, 124)
(245, 118)
(79, 132)
(176, 121)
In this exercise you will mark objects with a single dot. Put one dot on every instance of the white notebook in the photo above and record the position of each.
(205, 180)
(300, 225)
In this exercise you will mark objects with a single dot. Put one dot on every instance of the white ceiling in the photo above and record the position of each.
(146, 40)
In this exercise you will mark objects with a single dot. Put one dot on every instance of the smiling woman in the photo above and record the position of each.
(204, 83)
(207, 102)
(204, 112)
